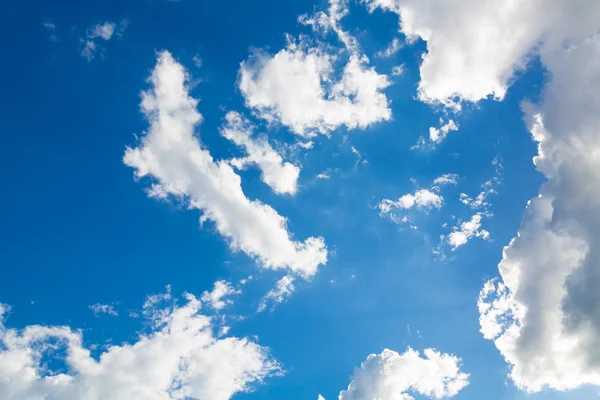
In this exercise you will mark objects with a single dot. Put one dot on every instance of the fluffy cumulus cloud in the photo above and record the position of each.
(470, 60)
(394, 376)
(298, 88)
(170, 153)
(281, 176)
(179, 359)
(544, 313)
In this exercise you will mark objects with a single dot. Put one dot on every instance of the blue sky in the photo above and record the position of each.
(398, 261)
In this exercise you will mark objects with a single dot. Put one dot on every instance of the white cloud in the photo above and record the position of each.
(482, 201)
(436, 135)
(282, 290)
(398, 70)
(393, 376)
(217, 297)
(103, 309)
(103, 31)
(297, 87)
(543, 315)
(281, 177)
(465, 231)
(197, 61)
(471, 60)
(170, 153)
(179, 359)
(446, 179)
(324, 21)
(51, 27)
(359, 157)
(422, 199)
(392, 49)
(289, 88)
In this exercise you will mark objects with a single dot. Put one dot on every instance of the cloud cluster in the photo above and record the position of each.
(393, 376)
(170, 153)
(179, 359)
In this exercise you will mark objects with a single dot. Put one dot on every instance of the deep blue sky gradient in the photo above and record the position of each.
(76, 229)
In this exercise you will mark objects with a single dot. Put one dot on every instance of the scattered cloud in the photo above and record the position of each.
(465, 231)
(51, 28)
(446, 179)
(393, 376)
(170, 153)
(197, 61)
(178, 359)
(105, 31)
(107, 309)
(482, 201)
(436, 135)
(281, 176)
(422, 199)
(392, 49)
(359, 157)
(217, 298)
(283, 289)
(398, 70)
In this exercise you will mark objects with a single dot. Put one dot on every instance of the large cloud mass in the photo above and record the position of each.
(475, 47)
(544, 314)
(180, 359)
(171, 153)
(393, 376)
